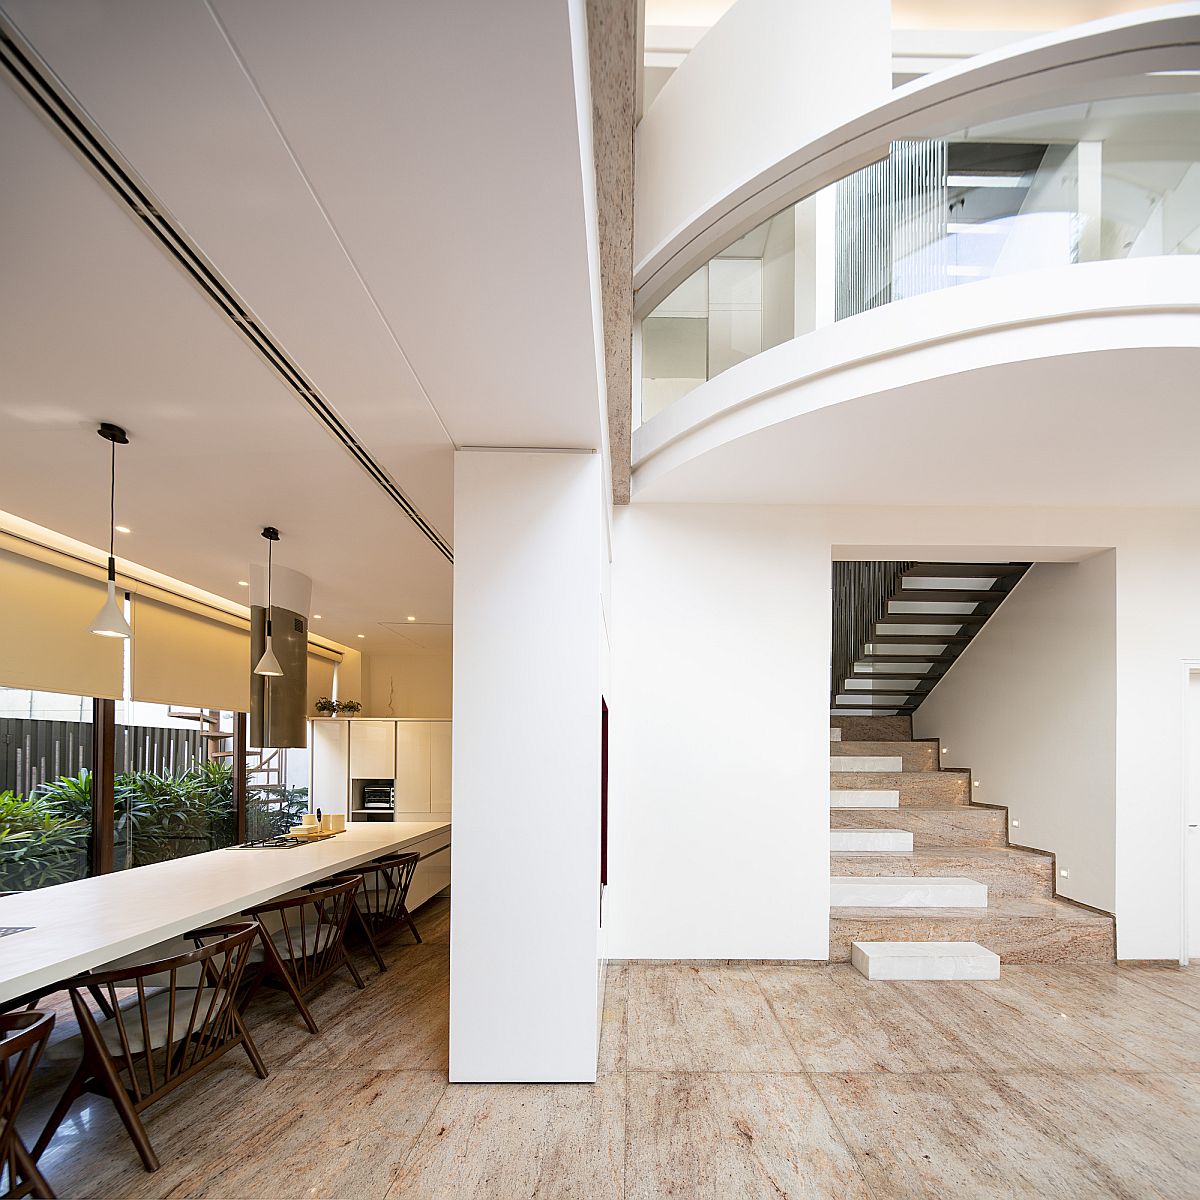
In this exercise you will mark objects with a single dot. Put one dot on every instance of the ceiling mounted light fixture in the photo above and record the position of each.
(269, 664)
(110, 620)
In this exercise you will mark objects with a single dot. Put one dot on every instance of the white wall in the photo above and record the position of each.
(719, 813)
(768, 77)
(1030, 707)
(528, 543)
(409, 685)
(719, 809)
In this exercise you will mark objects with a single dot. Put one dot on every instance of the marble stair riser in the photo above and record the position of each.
(864, 798)
(1016, 939)
(924, 960)
(860, 764)
(916, 756)
(906, 891)
(870, 729)
(917, 788)
(1006, 873)
(931, 828)
(869, 842)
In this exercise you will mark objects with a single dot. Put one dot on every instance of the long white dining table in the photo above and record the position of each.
(73, 927)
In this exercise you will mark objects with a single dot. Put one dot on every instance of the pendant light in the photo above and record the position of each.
(110, 620)
(269, 664)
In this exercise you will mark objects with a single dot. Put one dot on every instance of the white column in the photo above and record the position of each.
(526, 775)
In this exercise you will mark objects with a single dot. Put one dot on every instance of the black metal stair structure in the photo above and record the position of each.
(899, 626)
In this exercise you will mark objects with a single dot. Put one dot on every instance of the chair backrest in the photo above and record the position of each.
(24, 1038)
(385, 885)
(170, 1015)
(307, 929)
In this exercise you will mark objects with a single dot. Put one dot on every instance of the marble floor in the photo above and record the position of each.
(715, 1081)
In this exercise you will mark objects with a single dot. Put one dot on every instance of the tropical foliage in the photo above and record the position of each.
(44, 838)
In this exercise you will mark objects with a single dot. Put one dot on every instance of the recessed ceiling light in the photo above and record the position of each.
(122, 529)
(412, 618)
(363, 635)
(242, 583)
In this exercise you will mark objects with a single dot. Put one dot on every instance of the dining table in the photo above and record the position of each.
(53, 933)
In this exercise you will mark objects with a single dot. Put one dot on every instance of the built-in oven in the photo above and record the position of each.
(379, 795)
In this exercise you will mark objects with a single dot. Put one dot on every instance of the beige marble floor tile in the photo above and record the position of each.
(614, 1019)
(504, 1141)
(1162, 1032)
(720, 1136)
(839, 1021)
(1140, 1132)
(961, 1135)
(229, 1134)
(1011, 1024)
(686, 1017)
(432, 921)
(1178, 983)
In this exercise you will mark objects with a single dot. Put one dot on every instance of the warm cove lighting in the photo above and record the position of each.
(110, 620)
(269, 664)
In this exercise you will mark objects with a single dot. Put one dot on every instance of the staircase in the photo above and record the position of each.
(924, 883)
(899, 626)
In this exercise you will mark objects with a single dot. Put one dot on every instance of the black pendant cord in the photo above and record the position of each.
(112, 514)
(270, 548)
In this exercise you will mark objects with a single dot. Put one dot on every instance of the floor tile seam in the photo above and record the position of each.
(780, 1023)
(402, 1166)
(855, 1157)
(1162, 993)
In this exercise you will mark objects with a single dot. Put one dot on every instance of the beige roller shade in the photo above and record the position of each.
(44, 640)
(185, 658)
(320, 680)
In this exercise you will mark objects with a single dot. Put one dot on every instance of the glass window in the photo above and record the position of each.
(45, 788)
(173, 789)
(276, 791)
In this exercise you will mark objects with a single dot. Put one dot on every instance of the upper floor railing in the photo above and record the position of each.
(1113, 174)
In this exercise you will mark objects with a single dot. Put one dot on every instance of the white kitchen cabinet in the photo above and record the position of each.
(372, 749)
(329, 770)
(412, 766)
(439, 766)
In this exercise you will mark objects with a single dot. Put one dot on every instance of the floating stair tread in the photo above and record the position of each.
(864, 798)
(950, 596)
(853, 764)
(1000, 908)
(964, 570)
(868, 843)
(985, 854)
(924, 960)
(911, 892)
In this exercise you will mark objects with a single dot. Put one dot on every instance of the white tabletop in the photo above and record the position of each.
(77, 926)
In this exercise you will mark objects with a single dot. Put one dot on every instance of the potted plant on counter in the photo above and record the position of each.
(350, 707)
(326, 707)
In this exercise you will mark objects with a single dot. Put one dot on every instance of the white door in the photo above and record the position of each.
(412, 767)
(372, 749)
(439, 766)
(329, 771)
(1192, 832)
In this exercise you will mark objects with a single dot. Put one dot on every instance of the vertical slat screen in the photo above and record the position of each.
(861, 591)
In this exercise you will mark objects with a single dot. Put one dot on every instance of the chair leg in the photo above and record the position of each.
(106, 1074)
(358, 979)
(365, 929)
(71, 1093)
(406, 917)
(38, 1187)
(275, 964)
(260, 1068)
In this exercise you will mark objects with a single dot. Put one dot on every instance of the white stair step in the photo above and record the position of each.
(925, 960)
(864, 797)
(835, 735)
(905, 891)
(886, 841)
(842, 763)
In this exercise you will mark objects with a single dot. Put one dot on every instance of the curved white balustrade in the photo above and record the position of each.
(1086, 309)
(676, 236)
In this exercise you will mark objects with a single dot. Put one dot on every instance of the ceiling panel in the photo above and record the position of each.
(97, 323)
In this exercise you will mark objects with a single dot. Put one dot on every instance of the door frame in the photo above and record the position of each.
(1191, 666)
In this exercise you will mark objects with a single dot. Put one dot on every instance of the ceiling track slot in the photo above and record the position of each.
(53, 101)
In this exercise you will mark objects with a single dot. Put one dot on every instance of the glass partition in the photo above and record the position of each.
(1105, 178)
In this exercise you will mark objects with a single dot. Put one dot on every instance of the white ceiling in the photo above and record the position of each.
(1115, 428)
(396, 190)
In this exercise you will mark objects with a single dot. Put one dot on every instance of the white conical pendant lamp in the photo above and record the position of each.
(110, 620)
(269, 664)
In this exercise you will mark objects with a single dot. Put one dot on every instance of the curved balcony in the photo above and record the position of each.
(1006, 209)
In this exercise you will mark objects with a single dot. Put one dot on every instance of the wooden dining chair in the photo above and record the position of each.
(170, 1018)
(24, 1038)
(381, 903)
(302, 942)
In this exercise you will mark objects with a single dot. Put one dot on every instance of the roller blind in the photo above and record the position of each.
(44, 640)
(185, 658)
(320, 680)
